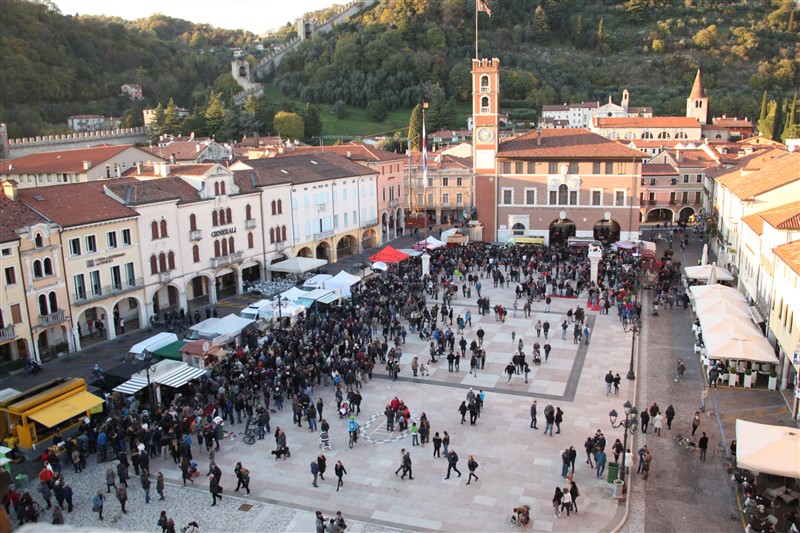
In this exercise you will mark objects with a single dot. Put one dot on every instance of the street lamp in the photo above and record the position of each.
(628, 424)
(636, 329)
(280, 302)
(146, 363)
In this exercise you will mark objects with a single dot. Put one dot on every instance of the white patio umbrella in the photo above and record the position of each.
(740, 347)
(715, 292)
(768, 449)
(732, 326)
(704, 257)
(722, 307)
(704, 272)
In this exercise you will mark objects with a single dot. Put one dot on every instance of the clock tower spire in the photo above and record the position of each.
(486, 122)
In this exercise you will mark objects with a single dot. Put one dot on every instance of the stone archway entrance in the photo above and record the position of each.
(323, 251)
(607, 231)
(346, 246)
(128, 310)
(686, 213)
(305, 252)
(168, 297)
(368, 239)
(660, 215)
(561, 230)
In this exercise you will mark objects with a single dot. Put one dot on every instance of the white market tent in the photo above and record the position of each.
(430, 243)
(342, 282)
(316, 282)
(768, 449)
(731, 326)
(173, 374)
(293, 294)
(318, 295)
(706, 272)
(297, 265)
(287, 310)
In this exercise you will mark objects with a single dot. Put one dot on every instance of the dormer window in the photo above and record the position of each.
(38, 241)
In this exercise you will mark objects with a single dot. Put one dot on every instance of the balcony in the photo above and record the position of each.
(226, 260)
(250, 223)
(52, 319)
(673, 201)
(280, 246)
(369, 223)
(195, 235)
(165, 277)
(322, 235)
(109, 290)
(652, 201)
(7, 333)
(395, 202)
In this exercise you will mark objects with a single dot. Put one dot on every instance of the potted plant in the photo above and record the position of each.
(773, 379)
(733, 377)
(748, 378)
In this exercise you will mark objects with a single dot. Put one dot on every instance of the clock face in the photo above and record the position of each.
(485, 135)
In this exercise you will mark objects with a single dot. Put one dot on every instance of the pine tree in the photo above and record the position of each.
(601, 37)
(578, 33)
(172, 122)
(214, 114)
(763, 114)
(541, 26)
(415, 129)
(777, 123)
(312, 122)
(158, 120)
(766, 126)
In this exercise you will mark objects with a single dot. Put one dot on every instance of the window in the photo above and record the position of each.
(596, 167)
(506, 167)
(484, 84)
(116, 278)
(48, 266)
(647, 135)
(16, 314)
(162, 262)
(111, 240)
(459, 182)
(686, 178)
(274, 207)
(38, 241)
(7, 252)
(91, 244)
(224, 247)
(214, 219)
(563, 193)
(216, 249)
(222, 187)
(573, 197)
(37, 269)
(126, 237)
(508, 196)
(531, 167)
(597, 197)
(280, 207)
(74, 247)
(196, 253)
(430, 183)
(94, 280)
(248, 212)
(609, 167)
(192, 222)
(154, 230)
(11, 276)
(573, 167)
(52, 299)
(485, 104)
(130, 274)
(664, 135)
(231, 247)
(530, 196)
(519, 167)
(459, 199)
(171, 260)
(250, 242)
(216, 189)
(228, 216)
(699, 178)
(619, 198)
(445, 199)
(552, 167)
(283, 233)
(153, 265)
(272, 235)
(445, 182)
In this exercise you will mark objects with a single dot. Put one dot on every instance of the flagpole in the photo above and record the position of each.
(424, 167)
(476, 28)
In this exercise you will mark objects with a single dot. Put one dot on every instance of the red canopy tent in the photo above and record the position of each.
(389, 255)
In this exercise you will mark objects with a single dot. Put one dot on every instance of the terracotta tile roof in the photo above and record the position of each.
(656, 169)
(754, 161)
(755, 222)
(646, 122)
(75, 204)
(305, 168)
(357, 151)
(775, 172)
(66, 161)
(445, 161)
(726, 122)
(573, 143)
(133, 191)
(15, 216)
(790, 254)
(640, 109)
(149, 171)
(183, 150)
(785, 216)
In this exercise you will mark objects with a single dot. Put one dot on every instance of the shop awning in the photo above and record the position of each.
(170, 351)
(180, 377)
(132, 386)
(329, 298)
(67, 408)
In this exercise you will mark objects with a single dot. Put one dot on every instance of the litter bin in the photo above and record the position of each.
(613, 471)
(617, 491)
(21, 481)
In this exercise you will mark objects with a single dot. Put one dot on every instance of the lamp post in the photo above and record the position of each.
(280, 302)
(146, 361)
(635, 329)
(628, 424)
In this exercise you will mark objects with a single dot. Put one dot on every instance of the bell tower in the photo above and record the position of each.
(485, 134)
(697, 103)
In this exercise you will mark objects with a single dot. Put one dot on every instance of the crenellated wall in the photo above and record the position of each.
(68, 141)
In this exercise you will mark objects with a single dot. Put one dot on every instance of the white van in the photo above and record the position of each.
(152, 344)
(257, 310)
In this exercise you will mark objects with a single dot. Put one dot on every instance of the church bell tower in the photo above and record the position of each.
(485, 140)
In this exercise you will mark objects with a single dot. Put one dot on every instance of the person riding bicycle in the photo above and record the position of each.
(352, 427)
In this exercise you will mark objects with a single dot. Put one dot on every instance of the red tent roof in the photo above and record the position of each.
(389, 255)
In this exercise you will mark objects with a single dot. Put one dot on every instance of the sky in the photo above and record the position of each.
(257, 16)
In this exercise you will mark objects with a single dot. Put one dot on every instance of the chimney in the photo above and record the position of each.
(197, 148)
(138, 168)
(172, 159)
(349, 154)
(257, 140)
(10, 188)
(117, 170)
(164, 170)
(539, 136)
(87, 165)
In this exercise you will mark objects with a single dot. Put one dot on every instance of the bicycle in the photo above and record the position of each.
(249, 433)
(686, 442)
(353, 438)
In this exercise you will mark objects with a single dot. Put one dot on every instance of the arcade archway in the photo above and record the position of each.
(368, 239)
(561, 230)
(686, 213)
(323, 251)
(305, 252)
(607, 231)
(660, 215)
(346, 246)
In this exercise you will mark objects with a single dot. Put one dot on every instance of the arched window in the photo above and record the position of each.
(216, 248)
(171, 260)
(153, 264)
(162, 262)
(37, 269)
(154, 230)
(283, 233)
(38, 241)
(681, 135)
(222, 221)
(271, 235)
(216, 188)
(53, 299)
(196, 253)
(250, 240)
(224, 246)
(274, 207)
(192, 222)
(647, 135)
(663, 135)
(42, 305)
(164, 228)
(484, 83)
(228, 216)
(484, 104)
(248, 211)
(231, 248)
(222, 187)
(280, 207)
(563, 194)
(48, 266)
(214, 218)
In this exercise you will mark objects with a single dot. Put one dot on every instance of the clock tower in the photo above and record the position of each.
(485, 134)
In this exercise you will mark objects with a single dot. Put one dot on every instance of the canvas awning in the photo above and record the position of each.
(293, 294)
(768, 449)
(715, 292)
(389, 255)
(706, 272)
(297, 265)
(170, 351)
(180, 377)
(132, 386)
(740, 347)
(66, 408)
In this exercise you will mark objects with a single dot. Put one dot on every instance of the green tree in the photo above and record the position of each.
(764, 102)
(766, 127)
(289, 126)
(415, 129)
(214, 114)
(158, 119)
(635, 10)
(376, 110)
(541, 25)
(312, 122)
(601, 37)
(172, 122)
(706, 37)
(777, 122)
(340, 109)
(579, 33)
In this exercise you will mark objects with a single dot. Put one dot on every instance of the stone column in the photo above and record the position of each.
(426, 264)
(595, 255)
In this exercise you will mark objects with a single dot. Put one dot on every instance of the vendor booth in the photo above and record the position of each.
(293, 294)
(297, 265)
(172, 374)
(342, 282)
(32, 417)
(708, 273)
(202, 354)
(389, 255)
(430, 243)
